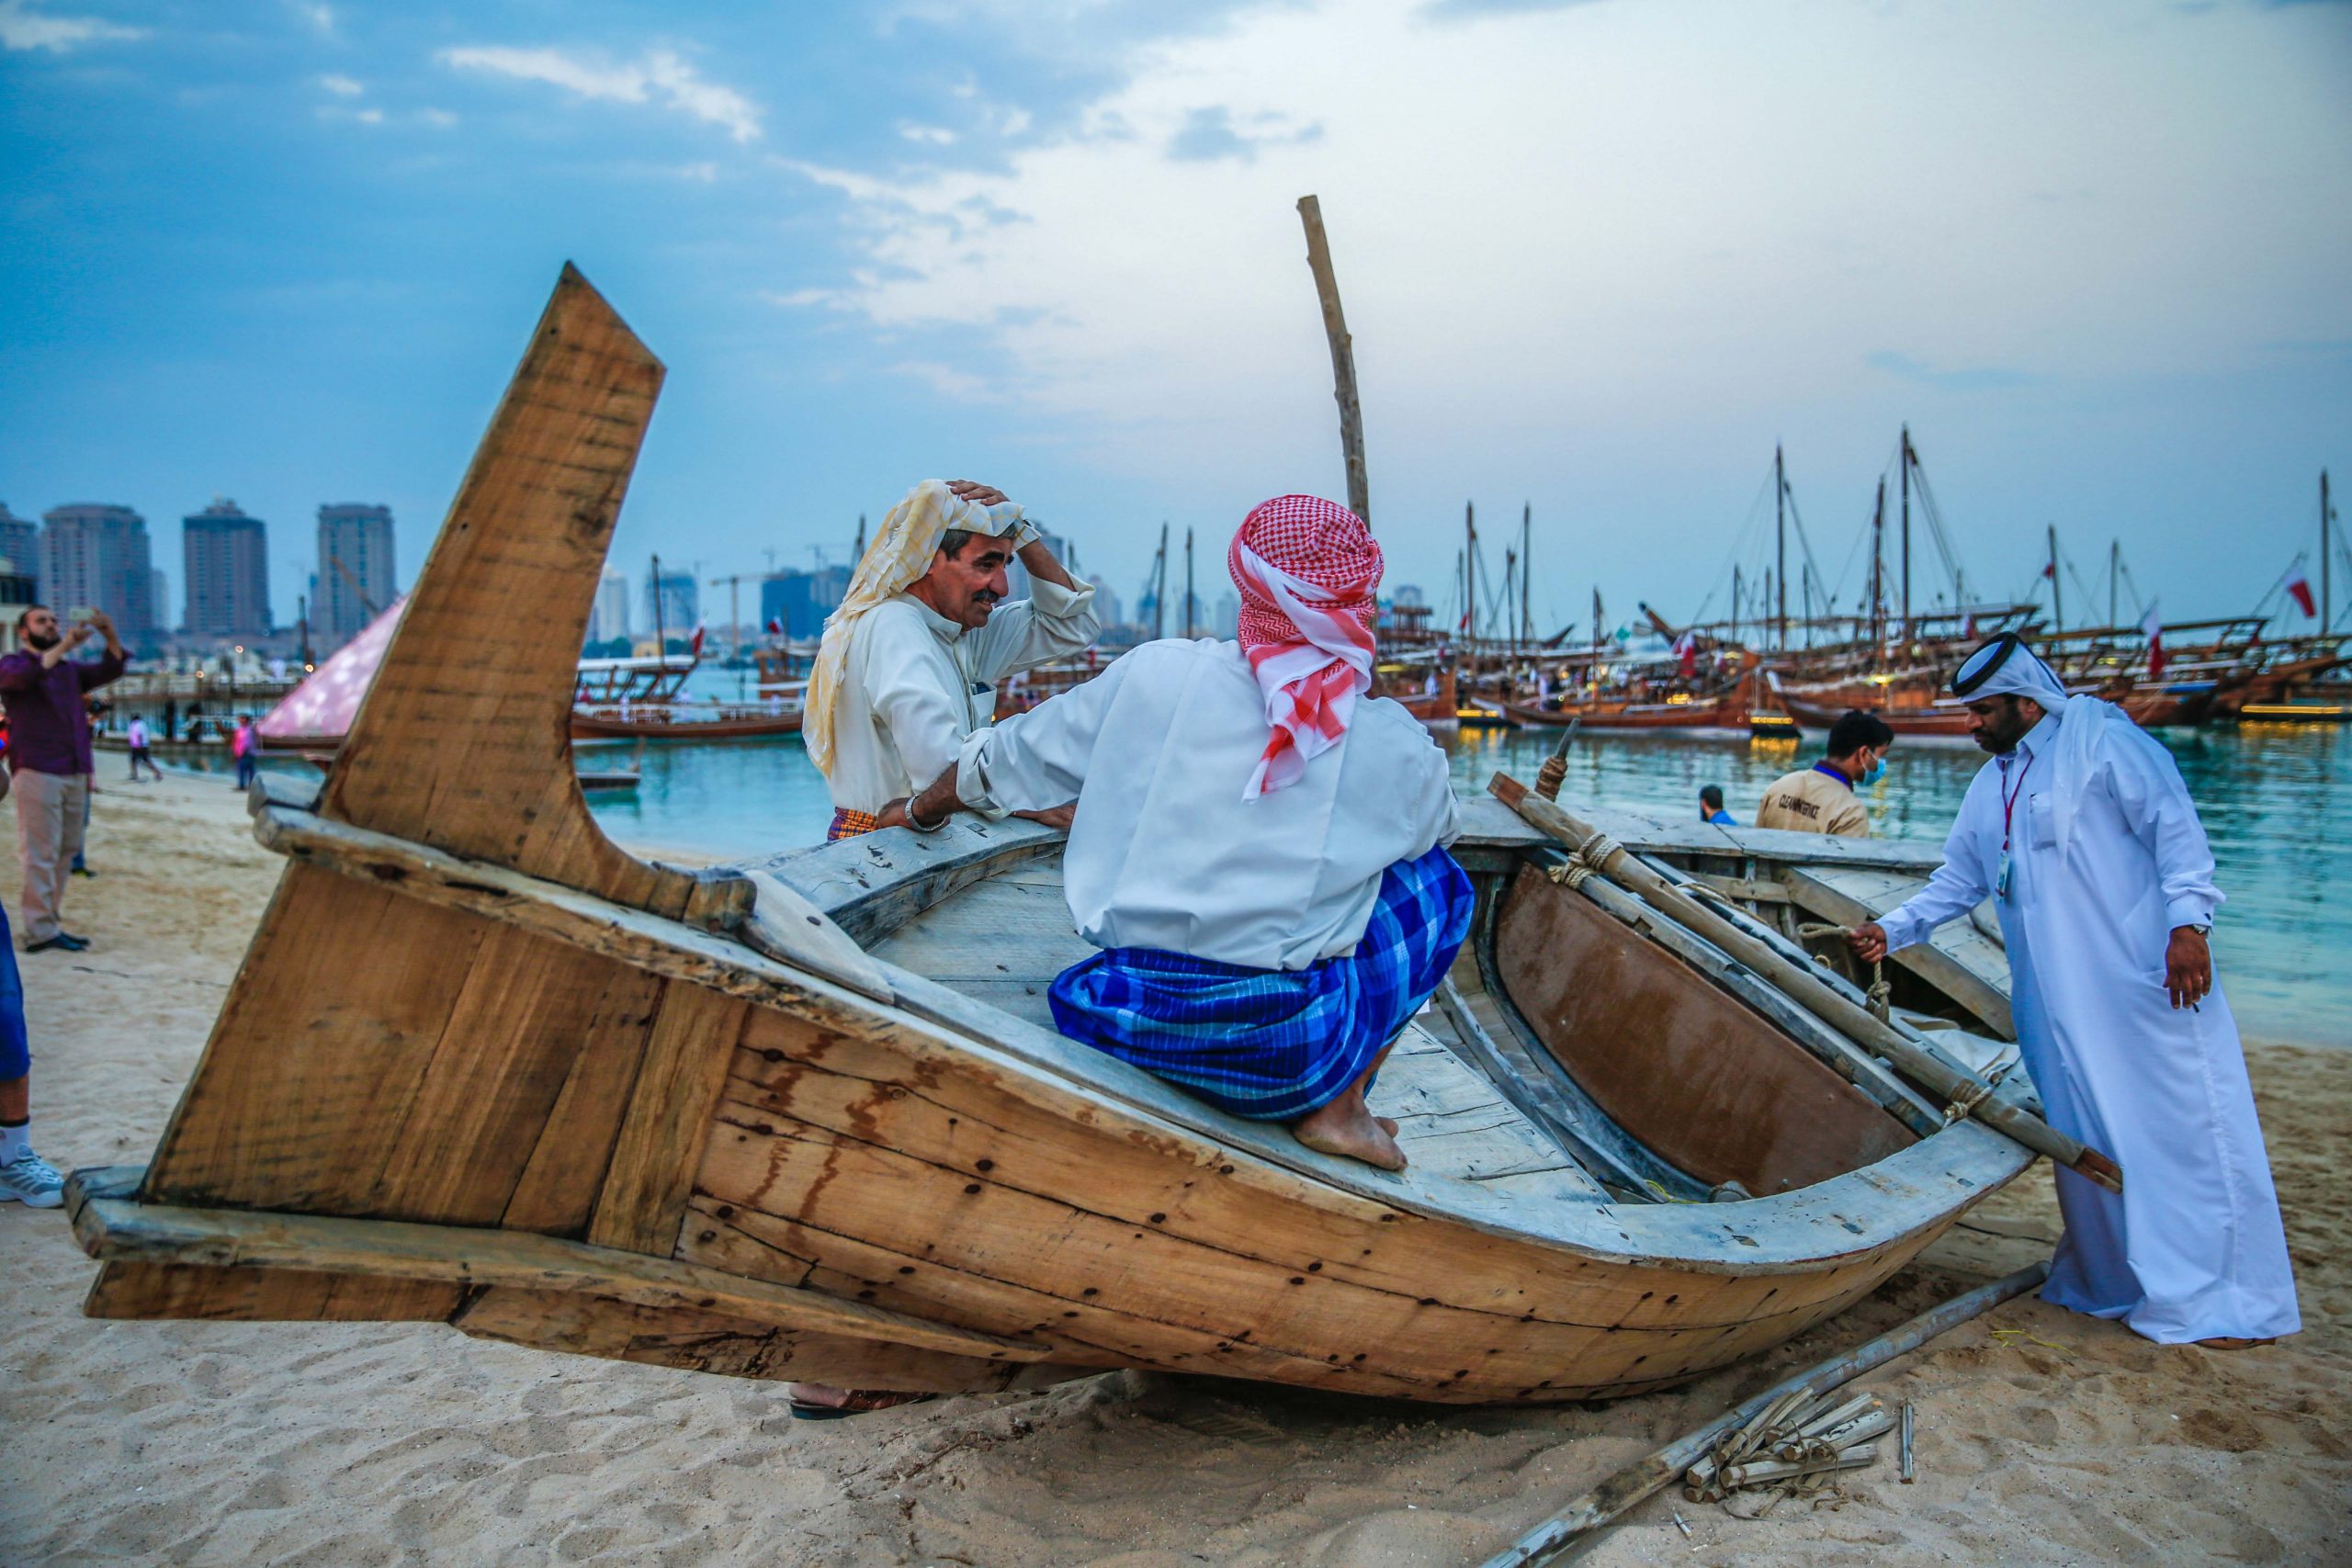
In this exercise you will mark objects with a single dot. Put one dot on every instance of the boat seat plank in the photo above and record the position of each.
(999, 929)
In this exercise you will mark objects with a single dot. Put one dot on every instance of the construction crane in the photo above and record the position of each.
(733, 582)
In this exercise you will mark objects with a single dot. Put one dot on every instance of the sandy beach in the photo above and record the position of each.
(2042, 1437)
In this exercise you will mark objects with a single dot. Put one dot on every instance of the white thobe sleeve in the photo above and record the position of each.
(1440, 813)
(1038, 759)
(1051, 623)
(2155, 805)
(1958, 885)
(899, 666)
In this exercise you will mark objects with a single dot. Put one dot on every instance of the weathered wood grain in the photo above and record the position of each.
(122, 1230)
(687, 1053)
(487, 646)
(557, 1192)
(710, 1341)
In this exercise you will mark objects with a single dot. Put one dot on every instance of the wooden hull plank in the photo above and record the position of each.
(322, 1248)
(670, 1107)
(704, 1341)
(304, 1088)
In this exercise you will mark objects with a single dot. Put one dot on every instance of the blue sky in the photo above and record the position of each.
(1598, 257)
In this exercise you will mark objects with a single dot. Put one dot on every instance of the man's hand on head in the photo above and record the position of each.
(979, 494)
(2188, 967)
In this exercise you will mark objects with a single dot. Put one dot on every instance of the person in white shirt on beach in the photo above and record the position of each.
(911, 661)
(2084, 835)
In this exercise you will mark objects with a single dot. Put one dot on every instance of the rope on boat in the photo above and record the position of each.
(1882, 991)
(1589, 860)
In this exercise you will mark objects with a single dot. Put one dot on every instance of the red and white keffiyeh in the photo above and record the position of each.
(1307, 569)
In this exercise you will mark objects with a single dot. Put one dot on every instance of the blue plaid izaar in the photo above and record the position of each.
(1273, 1044)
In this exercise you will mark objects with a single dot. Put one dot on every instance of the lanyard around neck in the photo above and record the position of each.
(2009, 800)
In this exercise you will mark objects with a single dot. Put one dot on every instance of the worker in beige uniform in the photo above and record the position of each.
(1821, 799)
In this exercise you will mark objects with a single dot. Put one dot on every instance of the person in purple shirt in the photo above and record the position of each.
(50, 760)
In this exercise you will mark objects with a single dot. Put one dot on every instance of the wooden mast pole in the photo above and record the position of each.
(1903, 462)
(1343, 357)
(2327, 514)
(1781, 530)
(1470, 572)
(1527, 543)
(1188, 586)
(2057, 613)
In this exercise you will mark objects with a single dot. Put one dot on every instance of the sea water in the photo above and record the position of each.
(2276, 799)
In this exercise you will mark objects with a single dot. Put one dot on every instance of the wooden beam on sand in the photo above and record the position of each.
(1343, 357)
(115, 1228)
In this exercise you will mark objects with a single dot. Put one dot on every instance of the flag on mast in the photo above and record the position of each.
(2154, 630)
(2300, 587)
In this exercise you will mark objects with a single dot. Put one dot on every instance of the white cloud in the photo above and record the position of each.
(1576, 230)
(440, 119)
(23, 27)
(660, 74)
(342, 87)
(928, 135)
(319, 15)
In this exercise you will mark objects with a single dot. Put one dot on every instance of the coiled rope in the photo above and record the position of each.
(1589, 860)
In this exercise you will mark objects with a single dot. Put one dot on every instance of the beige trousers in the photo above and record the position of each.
(50, 808)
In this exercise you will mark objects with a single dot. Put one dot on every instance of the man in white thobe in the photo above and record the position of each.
(911, 659)
(2083, 833)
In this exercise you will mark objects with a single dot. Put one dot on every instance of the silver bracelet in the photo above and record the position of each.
(916, 822)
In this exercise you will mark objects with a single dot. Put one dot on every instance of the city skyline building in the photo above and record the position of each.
(19, 544)
(608, 619)
(225, 560)
(360, 537)
(800, 600)
(96, 556)
(672, 605)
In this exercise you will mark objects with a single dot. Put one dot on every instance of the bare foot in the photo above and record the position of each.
(1387, 1124)
(2229, 1342)
(1345, 1128)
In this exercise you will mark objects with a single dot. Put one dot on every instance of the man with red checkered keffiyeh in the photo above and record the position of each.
(1258, 846)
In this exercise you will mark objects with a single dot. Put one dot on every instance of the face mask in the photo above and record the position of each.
(1877, 772)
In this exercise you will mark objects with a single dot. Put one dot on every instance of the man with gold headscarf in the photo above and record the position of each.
(911, 661)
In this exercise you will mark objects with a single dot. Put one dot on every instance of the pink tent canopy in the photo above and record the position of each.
(319, 712)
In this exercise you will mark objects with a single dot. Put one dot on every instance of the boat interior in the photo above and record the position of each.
(1568, 1056)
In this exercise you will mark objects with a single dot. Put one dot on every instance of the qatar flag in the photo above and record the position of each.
(2300, 587)
(2154, 630)
(695, 647)
(1686, 648)
(776, 625)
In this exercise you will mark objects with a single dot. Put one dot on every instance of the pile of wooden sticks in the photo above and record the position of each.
(1795, 1444)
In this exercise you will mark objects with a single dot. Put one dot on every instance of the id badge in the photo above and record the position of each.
(2001, 876)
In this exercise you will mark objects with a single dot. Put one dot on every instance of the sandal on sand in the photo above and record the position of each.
(2229, 1343)
(861, 1402)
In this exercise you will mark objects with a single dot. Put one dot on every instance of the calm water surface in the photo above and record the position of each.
(2276, 800)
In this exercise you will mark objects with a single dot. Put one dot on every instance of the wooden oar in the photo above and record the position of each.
(1909, 1054)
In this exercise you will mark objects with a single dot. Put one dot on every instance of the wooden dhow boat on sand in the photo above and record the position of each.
(809, 1118)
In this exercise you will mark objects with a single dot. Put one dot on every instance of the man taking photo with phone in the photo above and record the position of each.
(44, 689)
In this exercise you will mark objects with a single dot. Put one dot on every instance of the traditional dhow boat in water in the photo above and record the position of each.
(808, 1118)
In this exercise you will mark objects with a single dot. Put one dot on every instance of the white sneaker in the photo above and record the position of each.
(33, 1181)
